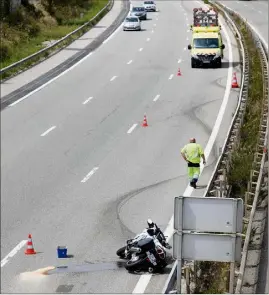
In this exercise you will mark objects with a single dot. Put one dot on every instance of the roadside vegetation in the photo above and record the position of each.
(214, 276)
(35, 24)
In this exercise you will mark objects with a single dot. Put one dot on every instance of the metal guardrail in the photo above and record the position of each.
(57, 43)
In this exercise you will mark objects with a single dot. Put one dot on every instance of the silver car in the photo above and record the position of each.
(150, 6)
(132, 23)
(140, 12)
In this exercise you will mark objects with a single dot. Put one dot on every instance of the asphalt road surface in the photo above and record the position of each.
(256, 13)
(77, 171)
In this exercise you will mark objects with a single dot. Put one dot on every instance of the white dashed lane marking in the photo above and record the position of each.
(48, 131)
(87, 100)
(89, 175)
(131, 129)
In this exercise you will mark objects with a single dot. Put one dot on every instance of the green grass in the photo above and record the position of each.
(242, 159)
(20, 40)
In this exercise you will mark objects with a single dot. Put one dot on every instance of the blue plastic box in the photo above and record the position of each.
(62, 251)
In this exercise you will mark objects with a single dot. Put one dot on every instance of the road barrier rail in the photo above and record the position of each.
(45, 52)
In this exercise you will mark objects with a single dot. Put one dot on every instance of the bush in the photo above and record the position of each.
(5, 50)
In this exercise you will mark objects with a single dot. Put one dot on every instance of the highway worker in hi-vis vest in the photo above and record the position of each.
(192, 154)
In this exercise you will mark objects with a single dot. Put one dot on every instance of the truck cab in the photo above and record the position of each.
(206, 46)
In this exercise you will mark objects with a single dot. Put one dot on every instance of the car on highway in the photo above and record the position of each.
(132, 23)
(150, 6)
(139, 11)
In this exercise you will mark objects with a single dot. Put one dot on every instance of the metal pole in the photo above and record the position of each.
(179, 263)
(188, 280)
(231, 284)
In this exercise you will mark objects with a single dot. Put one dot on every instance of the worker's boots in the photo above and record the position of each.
(193, 183)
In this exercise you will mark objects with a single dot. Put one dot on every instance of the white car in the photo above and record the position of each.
(150, 6)
(132, 23)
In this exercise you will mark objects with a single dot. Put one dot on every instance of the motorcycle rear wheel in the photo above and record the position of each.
(121, 252)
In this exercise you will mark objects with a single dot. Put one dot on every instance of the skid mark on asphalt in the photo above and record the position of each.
(48, 131)
(87, 100)
(13, 252)
(89, 175)
(88, 267)
(131, 129)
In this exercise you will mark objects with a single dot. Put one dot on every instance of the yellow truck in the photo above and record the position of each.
(206, 46)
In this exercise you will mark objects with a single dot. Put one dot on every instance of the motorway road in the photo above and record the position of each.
(89, 184)
(256, 13)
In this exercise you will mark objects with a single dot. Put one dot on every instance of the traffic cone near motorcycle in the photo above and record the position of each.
(179, 72)
(30, 248)
(145, 122)
(234, 81)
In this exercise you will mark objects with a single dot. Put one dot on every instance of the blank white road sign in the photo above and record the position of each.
(207, 247)
(208, 214)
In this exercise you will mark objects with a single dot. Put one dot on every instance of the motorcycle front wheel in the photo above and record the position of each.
(121, 252)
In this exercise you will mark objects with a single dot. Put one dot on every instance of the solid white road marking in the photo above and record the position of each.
(171, 76)
(129, 62)
(145, 279)
(13, 252)
(148, 39)
(131, 129)
(48, 131)
(156, 97)
(179, 61)
(113, 34)
(87, 100)
(113, 78)
(87, 177)
(140, 49)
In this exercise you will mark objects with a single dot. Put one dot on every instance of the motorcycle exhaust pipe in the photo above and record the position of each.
(135, 250)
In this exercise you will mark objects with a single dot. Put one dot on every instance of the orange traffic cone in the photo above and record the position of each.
(30, 248)
(234, 82)
(179, 73)
(145, 122)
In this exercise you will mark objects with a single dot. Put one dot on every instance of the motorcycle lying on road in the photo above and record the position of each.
(146, 251)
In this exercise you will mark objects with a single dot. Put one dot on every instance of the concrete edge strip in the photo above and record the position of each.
(24, 90)
(170, 280)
